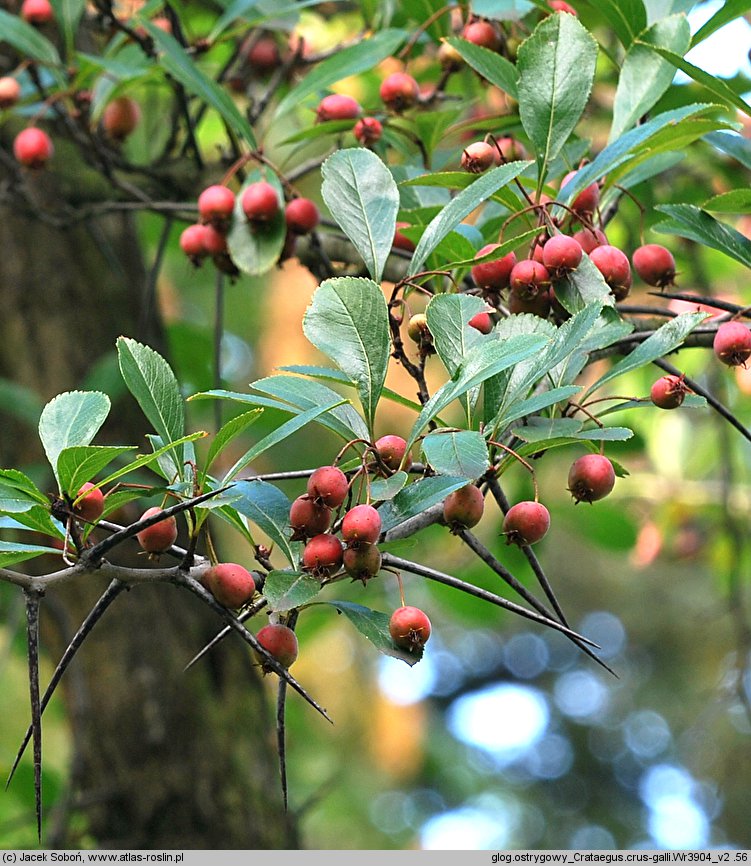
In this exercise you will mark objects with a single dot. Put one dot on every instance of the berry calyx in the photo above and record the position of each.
(159, 537)
(585, 204)
(308, 518)
(493, 274)
(463, 508)
(301, 216)
(614, 266)
(329, 485)
(230, 584)
(561, 255)
(280, 642)
(323, 555)
(399, 91)
(91, 506)
(391, 449)
(591, 477)
(481, 322)
(121, 117)
(37, 11)
(215, 204)
(409, 628)
(732, 344)
(478, 157)
(260, 202)
(528, 279)
(10, 91)
(361, 525)
(362, 562)
(368, 130)
(336, 106)
(526, 523)
(668, 392)
(32, 147)
(482, 33)
(655, 265)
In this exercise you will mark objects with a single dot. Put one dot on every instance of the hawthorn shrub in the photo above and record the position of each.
(476, 193)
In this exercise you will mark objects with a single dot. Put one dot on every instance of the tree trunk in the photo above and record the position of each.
(161, 758)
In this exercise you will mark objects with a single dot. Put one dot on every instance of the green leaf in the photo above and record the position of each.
(533, 404)
(664, 340)
(27, 40)
(363, 198)
(692, 222)
(153, 384)
(418, 497)
(462, 453)
(729, 10)
(276, 436)
(645, 76)
(234, 427)
(183, 68)
(148, 459)
(448, 320)
(72, 418)
(583, 286)
(348, 321)
(12, 552)
(461, 206)
(37, 519)
(556, 70)
(482, 362)
(362, 57)
(80, 463)
(657, 9)
(68, 14)
(715, 85)
(15, 501)
(255, 249)
(16, 479)
(734, 145)
(374, 625)
(627, 18)
(489, 64)
(737, 201)
(267, 507)
(543, 429)
(286, 590)
(386, 488)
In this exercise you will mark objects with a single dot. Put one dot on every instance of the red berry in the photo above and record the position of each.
(192, 241)
(561, 255)
(32, 147)
(586, 202)
(526, 523)
(329, 485)
(10, 91)
(301, 216)
(417, 329)
(37, 11)
(539, 306)
(591, 477)
(481, 322)
(90, 508)
(655, 265)
(338, 107)
(159, 537)
(260, 202)
(402, 242)
(589, 240)
(399, 91)
(216, 203)
(391, 449)
(263, 55)
(561, 6)
(732, 344)
(368, 130)
(463, 508)
(361, 525)
(308, 518)
(613, 264)
(280, 642)
(478, 157)
(323, 555)
(362, 562)
(482, 33)
(409, 628)
(528, 279)
(668, 392)
(493, 274)
(121, 117)
(230, 584)
(508, 149)
(214, 242)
